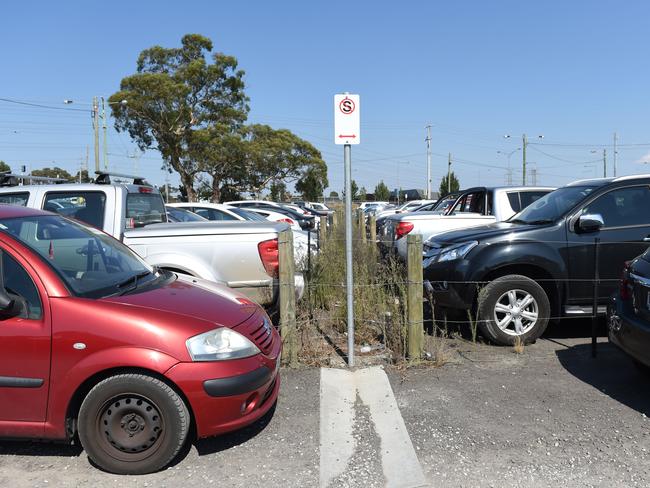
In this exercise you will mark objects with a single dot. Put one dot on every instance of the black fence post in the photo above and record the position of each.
(594, 318)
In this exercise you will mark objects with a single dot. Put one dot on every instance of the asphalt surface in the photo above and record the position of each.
(489, 417)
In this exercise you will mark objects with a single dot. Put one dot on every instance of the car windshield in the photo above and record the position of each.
(91, 263)
(553, 205)
(248, 215)
(182, 215)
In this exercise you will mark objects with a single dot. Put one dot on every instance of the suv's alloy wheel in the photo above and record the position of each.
(512, 307)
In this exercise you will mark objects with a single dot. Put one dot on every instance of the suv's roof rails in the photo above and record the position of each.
(104, 178)
(631, 177)
(11, 179)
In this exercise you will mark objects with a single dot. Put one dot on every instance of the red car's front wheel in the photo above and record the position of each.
(133, 424)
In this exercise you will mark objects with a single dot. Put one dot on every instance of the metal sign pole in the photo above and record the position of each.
(347, 151)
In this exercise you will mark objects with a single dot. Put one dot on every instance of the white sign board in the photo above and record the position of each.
(346, 119)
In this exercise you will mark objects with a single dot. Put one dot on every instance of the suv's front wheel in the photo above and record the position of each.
(512, 307)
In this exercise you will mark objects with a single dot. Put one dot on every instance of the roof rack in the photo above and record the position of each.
(11, 179)
(104, 178)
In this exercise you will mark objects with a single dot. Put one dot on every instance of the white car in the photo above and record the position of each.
(405, 207)
(222, 212)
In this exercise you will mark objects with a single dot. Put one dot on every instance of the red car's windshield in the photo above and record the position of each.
(91, 263)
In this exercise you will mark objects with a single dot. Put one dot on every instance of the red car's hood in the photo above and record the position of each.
(196, 298)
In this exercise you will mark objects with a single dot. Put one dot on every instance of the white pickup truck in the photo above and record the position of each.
(240, 255)
(473, 207)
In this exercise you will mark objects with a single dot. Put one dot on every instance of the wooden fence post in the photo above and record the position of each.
(288, 324)
(373, 228)
(362, 226)
(334, 220)
(322, 232)
(414, 302)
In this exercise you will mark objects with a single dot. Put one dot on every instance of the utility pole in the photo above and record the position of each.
(523, 157)
(615, 152)
(105, 138)
(95, 115)
(604, 163)
(449, 173)
(428, 139)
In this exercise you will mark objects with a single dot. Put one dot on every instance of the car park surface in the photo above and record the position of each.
(552, 416)
(97, 343)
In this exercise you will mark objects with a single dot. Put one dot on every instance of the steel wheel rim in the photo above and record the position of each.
(516, 312)
(130, 427)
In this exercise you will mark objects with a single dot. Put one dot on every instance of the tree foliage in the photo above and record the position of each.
(4, 167)
(174, 93)
(334, 194)
(278, 191)
(445, 187)
(354, 190)
(382, 193)
(55, 172)
(191, 106)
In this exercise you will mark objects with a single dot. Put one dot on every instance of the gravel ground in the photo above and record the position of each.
(552, 416)
(281, 451)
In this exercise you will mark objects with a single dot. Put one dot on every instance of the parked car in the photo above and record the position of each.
(181, 215)
(306, 222)
(518, 274)
(240, 255)
(219, 212)
(133, 359)
(440, 206)
(405, 207)
(473, 207)
(629, 311)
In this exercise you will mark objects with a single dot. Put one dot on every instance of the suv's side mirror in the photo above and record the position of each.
(590, 223)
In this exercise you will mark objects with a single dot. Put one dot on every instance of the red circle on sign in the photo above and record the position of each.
(346, 106)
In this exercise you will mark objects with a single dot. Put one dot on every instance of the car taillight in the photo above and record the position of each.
(145, 189)
(625, 287)
(269, 255)
(287, 220)
(402, 229)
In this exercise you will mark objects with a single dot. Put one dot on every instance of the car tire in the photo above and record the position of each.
(500, 314)
(133, 424)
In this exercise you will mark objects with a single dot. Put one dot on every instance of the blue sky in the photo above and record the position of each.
(574, 72)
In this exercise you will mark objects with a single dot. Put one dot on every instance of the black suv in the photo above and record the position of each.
(515, 275)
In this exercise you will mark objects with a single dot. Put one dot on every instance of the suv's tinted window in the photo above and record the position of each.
(622, 207)
(528, 197)
(472, 202)
(86, 206)
(18, 282)
(15, 198)
(513, 198)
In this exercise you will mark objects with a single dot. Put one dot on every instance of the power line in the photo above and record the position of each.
(50, 107)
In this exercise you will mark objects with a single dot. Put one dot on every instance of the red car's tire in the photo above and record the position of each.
(133, 424)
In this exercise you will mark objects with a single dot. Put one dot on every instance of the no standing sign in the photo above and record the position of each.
(346, 119)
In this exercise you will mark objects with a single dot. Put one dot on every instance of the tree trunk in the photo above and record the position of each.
(216, 190)
(187, 180)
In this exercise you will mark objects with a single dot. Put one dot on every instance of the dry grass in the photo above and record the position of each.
(379, 295)
(518, 346)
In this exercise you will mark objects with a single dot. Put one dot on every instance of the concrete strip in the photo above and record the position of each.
(400, 463)
(338, 391)
(337, 396)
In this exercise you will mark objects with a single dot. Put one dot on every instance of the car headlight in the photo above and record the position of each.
(458, 251)
(219, 345)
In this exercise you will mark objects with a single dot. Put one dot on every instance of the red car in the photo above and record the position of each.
(96, 343)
